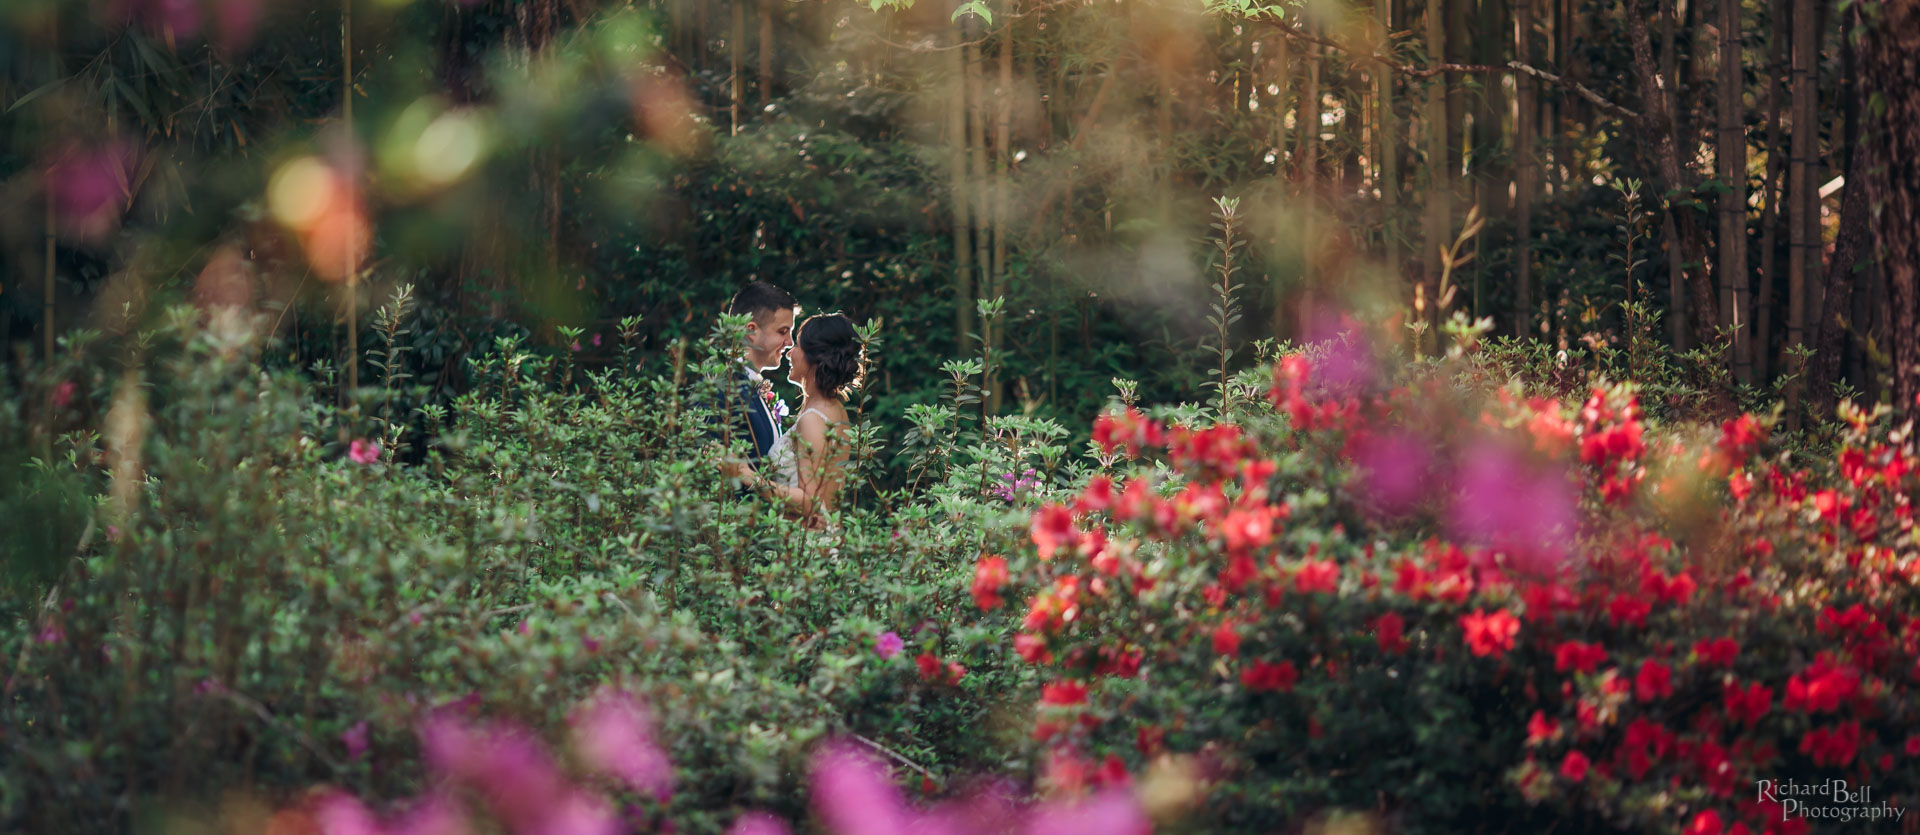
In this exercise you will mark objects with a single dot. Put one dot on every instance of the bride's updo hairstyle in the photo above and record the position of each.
(834, 349)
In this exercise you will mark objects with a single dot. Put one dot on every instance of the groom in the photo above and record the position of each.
(753, 411)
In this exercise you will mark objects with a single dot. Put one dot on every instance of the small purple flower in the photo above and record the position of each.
(355, 738)
(888, 645)
(208, 685)
(576, 346)
(596, 340)
(51, 634)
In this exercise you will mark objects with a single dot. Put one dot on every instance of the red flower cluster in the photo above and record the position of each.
(1263, 676)
(1490, 634)
(989, 576)
(1130, 429)
(1612, 443)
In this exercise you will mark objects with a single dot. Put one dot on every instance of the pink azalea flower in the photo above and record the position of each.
(363, 451)
(853, 795)
(63, 394)
(888, 645)
(613, 734)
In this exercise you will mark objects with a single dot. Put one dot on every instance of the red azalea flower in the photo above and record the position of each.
(1112, 772)
(989, 575)
(1032, 649)
(1706, 823)
(1247, 528)
(1490, 634)
(1539, 729)
(1574, 767)
(1063, 694)
(1629, 609)
(1574, 655)
(1226, 639)
(1821, 688)
(1388, 629)
(1747, 704)
(1053, 529)
(1262, 676)
(929, 666)
(1654, 681)
(1098, 495)
(1317, 575)
(1719, 651)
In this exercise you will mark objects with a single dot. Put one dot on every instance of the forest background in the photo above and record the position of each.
(1702, 174)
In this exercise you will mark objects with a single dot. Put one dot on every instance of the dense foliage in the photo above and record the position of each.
(1429, 593)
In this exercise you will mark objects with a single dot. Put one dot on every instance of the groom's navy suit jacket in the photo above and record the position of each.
(748, 415)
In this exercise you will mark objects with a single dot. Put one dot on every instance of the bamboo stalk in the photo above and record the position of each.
(961, 196)
(766, 54)
(1002, 136)
(353, 270)
(1801, 195)
(1731, 156)
(1524, 113)
(734, 61)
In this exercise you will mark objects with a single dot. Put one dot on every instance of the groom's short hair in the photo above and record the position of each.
(758, 298)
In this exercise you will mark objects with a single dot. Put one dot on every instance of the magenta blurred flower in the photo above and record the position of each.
(854, 795)
(363, 451)
(355, 738)
(1347, 360)
(1112, 812)
(888, 645)
(1394, 471)
(50, 634)
(340, 813)
(504, 764)
(436, 815)
(90, 188)
(1506, 503)
(596, 340)
(758, 823)
(63, 394)
(613, 734)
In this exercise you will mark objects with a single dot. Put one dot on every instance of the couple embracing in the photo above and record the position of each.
(801, 464)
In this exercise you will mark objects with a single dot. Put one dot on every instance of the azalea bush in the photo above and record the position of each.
(1441, 597)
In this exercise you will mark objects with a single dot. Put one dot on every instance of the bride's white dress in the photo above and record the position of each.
(786, 464)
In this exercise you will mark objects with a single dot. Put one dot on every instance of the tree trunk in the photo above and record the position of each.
(734, 61)
(1386, 132)
(1802, 196)
(1892, 70)
(766, 54)
(962, 191)
(1676, 275)
(1762, 310)
(1002, 194)
(1523, 173)
(1731, 157)
(1440, 190)
(1669, 178)
(1837, 305)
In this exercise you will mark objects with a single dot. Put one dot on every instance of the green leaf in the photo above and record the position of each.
(37, 92)
(974, 7)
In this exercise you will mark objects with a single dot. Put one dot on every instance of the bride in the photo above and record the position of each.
(808, 462)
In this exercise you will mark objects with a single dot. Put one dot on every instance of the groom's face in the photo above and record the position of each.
(768, 336)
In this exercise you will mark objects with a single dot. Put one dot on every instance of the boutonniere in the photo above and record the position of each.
(775, 405)
(764, 386)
